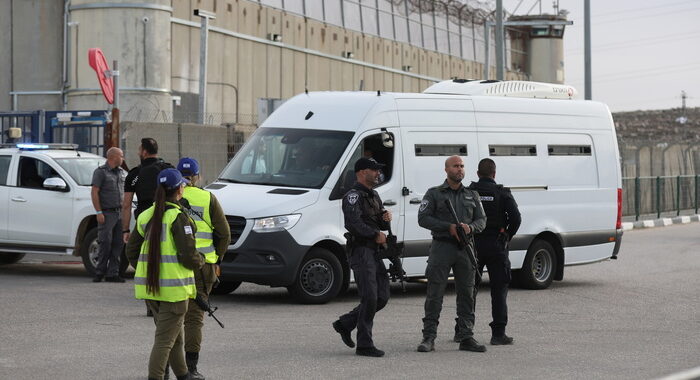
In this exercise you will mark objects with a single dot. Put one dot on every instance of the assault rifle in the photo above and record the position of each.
(204, 305)
(465, 242)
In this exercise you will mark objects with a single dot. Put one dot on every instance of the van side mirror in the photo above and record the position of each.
(55, 184)
(387, 140)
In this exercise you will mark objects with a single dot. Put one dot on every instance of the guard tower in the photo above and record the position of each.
(545, 49)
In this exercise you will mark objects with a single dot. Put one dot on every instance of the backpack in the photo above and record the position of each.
(148, 178)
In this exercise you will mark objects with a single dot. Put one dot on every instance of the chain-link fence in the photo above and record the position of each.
(661, 194)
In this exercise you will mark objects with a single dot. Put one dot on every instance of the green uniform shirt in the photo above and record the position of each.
(435, 215)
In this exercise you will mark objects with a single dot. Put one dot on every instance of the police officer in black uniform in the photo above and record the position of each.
(365, 219)
(142, 180)
(502, 222)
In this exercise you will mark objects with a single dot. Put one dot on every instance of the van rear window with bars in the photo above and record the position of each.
(569, 150)
(425, 150)
(512, 150)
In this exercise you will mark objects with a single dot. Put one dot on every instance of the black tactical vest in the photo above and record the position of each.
(492, 202)
(371, 209)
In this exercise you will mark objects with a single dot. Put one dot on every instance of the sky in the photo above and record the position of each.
(644, 52)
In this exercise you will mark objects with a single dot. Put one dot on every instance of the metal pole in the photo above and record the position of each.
(678, 195)
(637, 196)
(115, 79)
(697, 179)
(487, 42)
(658, 197)
(499, 40)
(203, 47)
(587, 47)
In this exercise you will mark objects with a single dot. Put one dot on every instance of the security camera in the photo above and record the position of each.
(145, 19)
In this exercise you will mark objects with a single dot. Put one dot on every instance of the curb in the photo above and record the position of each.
(663, 222)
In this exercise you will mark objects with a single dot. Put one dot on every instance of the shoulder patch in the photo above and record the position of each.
(353, 196)
(188, 230)
(423, 205)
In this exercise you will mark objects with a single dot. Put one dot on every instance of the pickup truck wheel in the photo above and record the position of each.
(225, 287)
(539, 265)
(89, 250)
(319, 279)
(10, 258)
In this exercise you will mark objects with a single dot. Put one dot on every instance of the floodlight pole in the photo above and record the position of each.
(587, 48)
(500, 63)
(203, 48)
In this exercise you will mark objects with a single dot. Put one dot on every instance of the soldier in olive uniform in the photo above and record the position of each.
(446, 254)
(365, 219)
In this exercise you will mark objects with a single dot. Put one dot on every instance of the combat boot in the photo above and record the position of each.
(470, 344)
(369, 351)
(427, 345)
(192, 358)
(345, 335)
(501, 340)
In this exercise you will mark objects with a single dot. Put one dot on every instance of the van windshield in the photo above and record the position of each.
(287, 157)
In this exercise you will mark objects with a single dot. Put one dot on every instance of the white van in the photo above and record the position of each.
(282, 192)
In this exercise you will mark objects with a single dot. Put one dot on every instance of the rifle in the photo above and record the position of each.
(393, 251)
(204, 305)
(464, 243)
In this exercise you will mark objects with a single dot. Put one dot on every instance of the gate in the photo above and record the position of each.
(28, 122)
(85, 128)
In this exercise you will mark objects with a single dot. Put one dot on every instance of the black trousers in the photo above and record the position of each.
(493, 255)
(373, 286)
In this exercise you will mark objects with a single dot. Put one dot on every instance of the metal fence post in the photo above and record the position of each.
(637, 196)
(658, 197)
(678, 195)
(696, 193)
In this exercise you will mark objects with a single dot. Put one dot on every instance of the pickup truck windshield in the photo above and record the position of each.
(80, 169)
(287, 157)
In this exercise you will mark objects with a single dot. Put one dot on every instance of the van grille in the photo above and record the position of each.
(236, 224)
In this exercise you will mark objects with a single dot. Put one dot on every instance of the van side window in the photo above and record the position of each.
(569, 150)
(512, 150)
(371, 147)
(33, 172)
(425, 150)
(4, 169)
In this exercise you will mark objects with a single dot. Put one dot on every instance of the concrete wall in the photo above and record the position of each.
(208, 144)
(31, 37)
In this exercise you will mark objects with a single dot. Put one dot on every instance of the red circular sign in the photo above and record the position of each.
(99, 64)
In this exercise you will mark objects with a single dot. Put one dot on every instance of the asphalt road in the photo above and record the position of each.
(634, 318)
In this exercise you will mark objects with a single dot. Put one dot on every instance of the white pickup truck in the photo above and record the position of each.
(45, 204)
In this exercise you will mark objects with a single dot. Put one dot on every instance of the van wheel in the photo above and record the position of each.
(539, 265)
(319, 279)
(90, 250)
(225, 287)
(10, 258)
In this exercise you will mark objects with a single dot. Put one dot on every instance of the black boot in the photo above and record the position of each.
(187, 376)
(192, 358)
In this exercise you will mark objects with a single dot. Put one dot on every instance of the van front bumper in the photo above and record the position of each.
(270, 258)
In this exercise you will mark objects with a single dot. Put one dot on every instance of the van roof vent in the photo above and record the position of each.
(515, 88)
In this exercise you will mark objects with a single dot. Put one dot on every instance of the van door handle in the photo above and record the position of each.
(18, 199)
(389, 202)
(415, 201)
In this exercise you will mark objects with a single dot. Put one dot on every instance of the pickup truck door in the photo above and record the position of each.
(39, 216)
(4, 193)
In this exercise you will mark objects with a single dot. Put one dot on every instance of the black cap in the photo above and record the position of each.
(367, 163)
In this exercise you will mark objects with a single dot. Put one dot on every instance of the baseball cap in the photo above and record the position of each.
(188, 166)
(171, 179)
(367, 163)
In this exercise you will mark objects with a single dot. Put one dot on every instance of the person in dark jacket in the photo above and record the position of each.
(365, 219)
(502, 223)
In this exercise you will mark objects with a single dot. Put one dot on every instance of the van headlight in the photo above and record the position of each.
(276, 223)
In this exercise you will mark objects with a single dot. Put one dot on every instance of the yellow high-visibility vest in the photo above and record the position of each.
(200, 201)
(176, 281)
